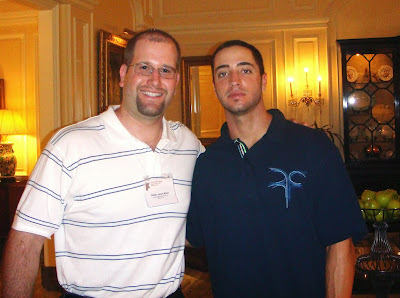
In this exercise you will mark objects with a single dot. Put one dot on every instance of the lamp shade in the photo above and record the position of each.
(11, 123)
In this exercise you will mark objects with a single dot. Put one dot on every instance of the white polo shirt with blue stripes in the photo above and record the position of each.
(87, 189)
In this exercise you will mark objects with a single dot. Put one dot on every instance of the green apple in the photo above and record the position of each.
(383, 197)
(367, 195)
(394, 204)
(379, 216)
(372, 205)
(393, 192)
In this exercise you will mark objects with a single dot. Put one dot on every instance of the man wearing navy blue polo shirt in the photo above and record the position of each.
(271, 199)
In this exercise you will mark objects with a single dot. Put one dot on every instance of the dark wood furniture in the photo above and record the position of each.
(10, 193)
(371, 111)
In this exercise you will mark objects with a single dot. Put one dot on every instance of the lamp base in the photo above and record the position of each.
(8, 161)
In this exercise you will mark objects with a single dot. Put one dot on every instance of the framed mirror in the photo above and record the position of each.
(202, 112)
(111, 57)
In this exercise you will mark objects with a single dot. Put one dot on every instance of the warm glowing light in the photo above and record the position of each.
(11, 123)
(307, 99)
(290, 80)
(306, 71)
(319, 85)
(352, 100)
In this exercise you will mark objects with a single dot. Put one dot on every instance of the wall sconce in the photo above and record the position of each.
(307, 98)
(10, 124)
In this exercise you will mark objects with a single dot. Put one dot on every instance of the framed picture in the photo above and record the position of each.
(2, 95)
(111, 57)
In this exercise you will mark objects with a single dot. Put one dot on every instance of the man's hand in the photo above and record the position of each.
(21, 264)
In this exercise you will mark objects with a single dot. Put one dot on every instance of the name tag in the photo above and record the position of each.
(160, 191)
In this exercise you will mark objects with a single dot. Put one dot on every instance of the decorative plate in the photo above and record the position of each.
(352, 74)
(385, 73)
(383, 113)
(387, 132)
(359, 101)
(389, 153)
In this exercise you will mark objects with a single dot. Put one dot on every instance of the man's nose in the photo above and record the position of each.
(155, 78)
(234, 78)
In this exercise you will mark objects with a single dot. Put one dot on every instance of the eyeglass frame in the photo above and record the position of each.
(152, 68)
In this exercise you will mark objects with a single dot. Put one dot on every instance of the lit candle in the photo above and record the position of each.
(306, 70)
(319, 84)
(290, 79)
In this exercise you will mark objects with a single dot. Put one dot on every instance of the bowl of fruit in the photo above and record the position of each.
(380, 209)
(380, 206)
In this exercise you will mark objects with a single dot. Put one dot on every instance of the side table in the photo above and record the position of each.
(10, 193)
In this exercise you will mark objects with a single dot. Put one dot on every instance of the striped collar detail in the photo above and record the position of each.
(241, 147)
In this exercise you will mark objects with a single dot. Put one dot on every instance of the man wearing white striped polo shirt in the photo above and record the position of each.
(114, 190)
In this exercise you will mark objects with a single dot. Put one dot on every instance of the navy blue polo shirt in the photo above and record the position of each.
(266, 219)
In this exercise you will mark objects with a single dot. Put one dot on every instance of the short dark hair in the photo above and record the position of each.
(155, 35)
(231, 43)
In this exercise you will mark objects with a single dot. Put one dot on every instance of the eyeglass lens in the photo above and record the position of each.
(144, 69)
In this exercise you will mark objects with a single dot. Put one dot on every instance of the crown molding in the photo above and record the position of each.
(251, 26)
(39, 4)
(227, 11)
(18, 18)
(83, 4)
(49, 4)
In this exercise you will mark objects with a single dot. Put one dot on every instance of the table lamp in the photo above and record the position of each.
(10, 124)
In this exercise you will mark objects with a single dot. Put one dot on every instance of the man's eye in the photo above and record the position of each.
(144, 67)
(247, 71)
(222, 74)
(166, 70)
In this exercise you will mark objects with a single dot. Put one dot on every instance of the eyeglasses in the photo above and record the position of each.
(144, 69)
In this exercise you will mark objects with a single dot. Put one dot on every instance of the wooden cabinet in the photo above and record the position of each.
(10, 193)
(371, 111)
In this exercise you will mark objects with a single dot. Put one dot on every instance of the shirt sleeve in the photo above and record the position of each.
(337, 211)
(41, 207)
(193, 227)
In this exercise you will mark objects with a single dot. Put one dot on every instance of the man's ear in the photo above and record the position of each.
(177, 80)
(122, 72)
(264, 82)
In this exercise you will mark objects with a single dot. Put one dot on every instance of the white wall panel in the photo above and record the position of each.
(76, 62)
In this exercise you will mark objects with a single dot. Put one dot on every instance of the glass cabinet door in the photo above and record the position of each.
(369, 100)
(370, 106)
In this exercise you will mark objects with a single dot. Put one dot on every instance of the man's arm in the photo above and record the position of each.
(21, 263)
(340, 268)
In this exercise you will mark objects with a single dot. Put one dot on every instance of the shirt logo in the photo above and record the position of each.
(287, 183)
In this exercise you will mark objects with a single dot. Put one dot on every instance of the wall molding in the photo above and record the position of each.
(267, 8)
(18, 18)
(49, 4)
(251, 26)
(306, 6)
(88, 5)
